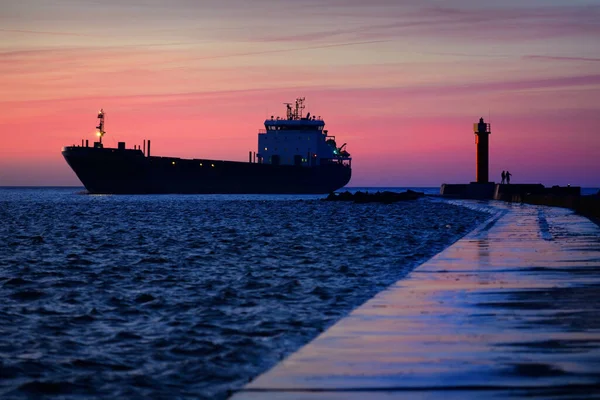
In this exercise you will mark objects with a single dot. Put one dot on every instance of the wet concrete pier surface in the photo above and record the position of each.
(512, 310)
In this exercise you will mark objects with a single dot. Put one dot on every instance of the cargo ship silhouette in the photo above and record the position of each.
(296, 155)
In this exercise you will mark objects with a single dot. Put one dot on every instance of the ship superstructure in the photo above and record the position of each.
(298, 140)
(295, 155)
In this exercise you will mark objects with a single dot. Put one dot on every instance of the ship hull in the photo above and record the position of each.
(118, 171)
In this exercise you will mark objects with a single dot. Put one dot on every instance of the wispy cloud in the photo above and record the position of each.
(473, 22)
(560, 58)
(287, 50)
(25, 31)
(383, 93)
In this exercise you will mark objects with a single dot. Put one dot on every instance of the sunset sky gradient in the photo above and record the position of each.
(402, 82)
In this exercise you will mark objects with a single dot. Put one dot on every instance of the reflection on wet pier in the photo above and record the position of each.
(510, 310)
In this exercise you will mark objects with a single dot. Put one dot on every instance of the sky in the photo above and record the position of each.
(401, 82)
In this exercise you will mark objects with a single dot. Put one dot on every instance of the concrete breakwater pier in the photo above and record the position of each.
(510, 310)
(556, 196)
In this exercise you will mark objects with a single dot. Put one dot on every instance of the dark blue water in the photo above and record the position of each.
(188, 296)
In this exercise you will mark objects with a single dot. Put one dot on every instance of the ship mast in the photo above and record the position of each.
(100, 128)
(296, 112)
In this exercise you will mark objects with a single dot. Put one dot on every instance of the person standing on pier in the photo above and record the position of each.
(503, 175)
(508, 175)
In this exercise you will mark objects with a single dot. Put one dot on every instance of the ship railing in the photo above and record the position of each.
(338, 160)
(262, 131)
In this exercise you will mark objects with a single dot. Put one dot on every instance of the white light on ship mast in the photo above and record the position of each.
(100, 128)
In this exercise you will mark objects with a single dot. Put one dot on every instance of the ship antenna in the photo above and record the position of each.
(100, 128)
(289, 112)
(299, 108)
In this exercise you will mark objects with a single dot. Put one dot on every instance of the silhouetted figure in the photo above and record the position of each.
(508, 175)
(503, 175)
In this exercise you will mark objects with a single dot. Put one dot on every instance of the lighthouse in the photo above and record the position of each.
(482, 188)
(482, 142)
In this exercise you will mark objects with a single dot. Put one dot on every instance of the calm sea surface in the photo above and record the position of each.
(189, 296)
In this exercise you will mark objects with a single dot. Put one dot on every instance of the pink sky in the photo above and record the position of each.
(401, 82)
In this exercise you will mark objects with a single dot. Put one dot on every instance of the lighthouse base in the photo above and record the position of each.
(533, 193)
(473, 190)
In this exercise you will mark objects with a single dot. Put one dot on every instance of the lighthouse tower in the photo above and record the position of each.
(482, 141)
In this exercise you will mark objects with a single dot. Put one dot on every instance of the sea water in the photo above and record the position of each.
(189, 296)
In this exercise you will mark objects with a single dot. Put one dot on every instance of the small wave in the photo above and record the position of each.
(144, 298)
(96, 365)
(27, 295)
(154, 260)
(83, 319)
(17, 282)
(126, 335)
(47, 387)
(68, 283)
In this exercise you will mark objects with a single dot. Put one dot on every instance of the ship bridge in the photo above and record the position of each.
(299, 140)
(304, 124)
